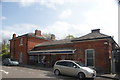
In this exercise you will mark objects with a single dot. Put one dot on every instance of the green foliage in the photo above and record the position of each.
(4, 52)
(69, 37)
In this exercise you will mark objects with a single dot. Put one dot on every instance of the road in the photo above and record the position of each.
(34, 73)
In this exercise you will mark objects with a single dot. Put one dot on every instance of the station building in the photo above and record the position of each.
(94, 49)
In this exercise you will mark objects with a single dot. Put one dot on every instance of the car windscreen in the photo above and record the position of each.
(83, 65)
(12, 60)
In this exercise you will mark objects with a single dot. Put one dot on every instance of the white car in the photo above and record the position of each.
(73, 68)
(10, 62)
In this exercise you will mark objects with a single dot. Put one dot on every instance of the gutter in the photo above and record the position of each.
(109, 37)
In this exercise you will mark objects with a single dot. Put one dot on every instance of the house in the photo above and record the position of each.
(95, 50)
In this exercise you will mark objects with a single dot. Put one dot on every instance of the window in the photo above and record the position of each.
(89, 56)
(21, 41)
(71, 64)
(65, 63)
(61, 63)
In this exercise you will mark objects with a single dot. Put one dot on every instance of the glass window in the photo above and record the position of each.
(61, 63)
(90, 57)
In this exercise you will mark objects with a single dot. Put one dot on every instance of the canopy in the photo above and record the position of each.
(56, 51)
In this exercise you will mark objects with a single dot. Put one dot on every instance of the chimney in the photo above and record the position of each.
(37, 32)
(95, 31)
(52, 37)
(14, 36)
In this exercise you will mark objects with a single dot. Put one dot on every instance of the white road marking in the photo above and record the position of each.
(4, 71)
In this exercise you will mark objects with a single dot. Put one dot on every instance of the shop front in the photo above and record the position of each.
(49, 57)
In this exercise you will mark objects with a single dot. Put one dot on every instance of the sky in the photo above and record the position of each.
(59, 17)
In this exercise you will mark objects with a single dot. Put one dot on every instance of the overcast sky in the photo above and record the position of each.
(60, 17)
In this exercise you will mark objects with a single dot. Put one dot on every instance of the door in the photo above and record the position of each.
(72, 69)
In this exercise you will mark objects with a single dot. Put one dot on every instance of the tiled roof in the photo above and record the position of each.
(91, 36)
(32, 35)
(64, 41)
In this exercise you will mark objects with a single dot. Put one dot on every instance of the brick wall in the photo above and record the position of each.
(102, 50)
(28, 43)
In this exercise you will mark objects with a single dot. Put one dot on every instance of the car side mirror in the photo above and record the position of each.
(75, 66)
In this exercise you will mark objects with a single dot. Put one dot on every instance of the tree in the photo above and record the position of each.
(69, 37)
(4, 51)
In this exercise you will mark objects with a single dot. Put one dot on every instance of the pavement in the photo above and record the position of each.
(109, 76)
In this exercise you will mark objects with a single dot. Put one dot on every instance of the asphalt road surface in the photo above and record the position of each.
(25, 73)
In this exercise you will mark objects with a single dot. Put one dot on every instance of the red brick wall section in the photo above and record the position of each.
(16, 48)
(102, 52)
(28, 44)
(34, 41)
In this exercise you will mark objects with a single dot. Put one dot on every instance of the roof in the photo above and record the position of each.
(55, 42)
(53, 51)
(91, 36)
(32, 35)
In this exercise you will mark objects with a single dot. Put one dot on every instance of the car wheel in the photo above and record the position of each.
(57, 72)
(81, 75)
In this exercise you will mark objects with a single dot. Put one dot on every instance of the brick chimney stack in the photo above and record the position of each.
(37, 32)
(95, 31)
(52, 37)
(14, 36)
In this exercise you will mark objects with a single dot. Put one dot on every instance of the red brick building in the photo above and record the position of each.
(21, 45)
(94, 49)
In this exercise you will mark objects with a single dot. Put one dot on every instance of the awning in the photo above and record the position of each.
(56, 51)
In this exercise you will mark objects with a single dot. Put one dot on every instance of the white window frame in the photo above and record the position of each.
(93, 57)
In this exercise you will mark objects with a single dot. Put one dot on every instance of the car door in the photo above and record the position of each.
(72, 69)
(63, 68)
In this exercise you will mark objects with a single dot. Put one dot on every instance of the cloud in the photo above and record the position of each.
(59, 28)
(51, 3)
(18, 29)
(3, 18)
(65, 14)
(48, 3)
(6, 34)
(62, 29)
(104, 16)
(26, 3)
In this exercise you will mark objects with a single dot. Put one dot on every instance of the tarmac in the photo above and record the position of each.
(109, 76)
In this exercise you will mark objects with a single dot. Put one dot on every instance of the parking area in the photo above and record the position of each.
(20, 72)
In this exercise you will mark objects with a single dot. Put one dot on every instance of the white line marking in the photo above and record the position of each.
(5, 71)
